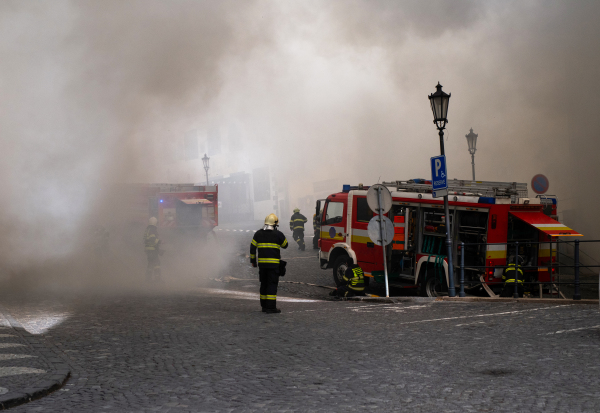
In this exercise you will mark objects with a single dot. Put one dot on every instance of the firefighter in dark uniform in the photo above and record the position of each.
(297, 222)
(508, 276)
(151, 244)
(267, 242)
(354, 282)
(317, 231)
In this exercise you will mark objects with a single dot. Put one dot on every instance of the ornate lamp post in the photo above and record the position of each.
(472, 141)
(205, 162)
(439, 106)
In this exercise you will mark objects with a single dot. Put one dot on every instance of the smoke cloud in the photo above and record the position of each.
(94, 93)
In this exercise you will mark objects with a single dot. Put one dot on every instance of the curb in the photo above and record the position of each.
(60, 372)
(520, 300)
(393, 300)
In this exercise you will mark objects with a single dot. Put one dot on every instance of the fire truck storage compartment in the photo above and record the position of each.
(527, 236)
(433, 230)
(402, 261)
(472, 228)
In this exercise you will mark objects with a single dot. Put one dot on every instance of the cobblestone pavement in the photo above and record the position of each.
(211, 349)
(29, 368)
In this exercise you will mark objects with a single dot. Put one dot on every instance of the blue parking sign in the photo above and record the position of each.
(439, 176)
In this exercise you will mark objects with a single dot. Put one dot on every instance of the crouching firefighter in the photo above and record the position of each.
(151, 245)
(354, 282)
(297, 222)
(267, 243)
(510, 276)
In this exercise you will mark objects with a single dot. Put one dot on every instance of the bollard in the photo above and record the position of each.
(577, 293)
(462, 270)
(516, 293)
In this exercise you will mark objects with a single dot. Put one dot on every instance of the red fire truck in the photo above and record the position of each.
(182, 207)
(490, 214)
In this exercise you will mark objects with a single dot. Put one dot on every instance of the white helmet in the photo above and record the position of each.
(153, 221)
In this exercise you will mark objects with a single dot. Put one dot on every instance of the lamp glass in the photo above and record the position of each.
(205, 161)
(439, 106)
(472, 141)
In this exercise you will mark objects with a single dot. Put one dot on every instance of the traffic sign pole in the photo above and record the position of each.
(451, 289)
(383, 241)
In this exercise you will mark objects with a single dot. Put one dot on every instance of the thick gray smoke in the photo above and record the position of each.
(94, 93)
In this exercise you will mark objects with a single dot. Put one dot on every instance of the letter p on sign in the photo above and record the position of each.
(438, 165)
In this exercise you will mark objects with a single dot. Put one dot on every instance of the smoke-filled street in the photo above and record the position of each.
(209, 348)
(301, 205)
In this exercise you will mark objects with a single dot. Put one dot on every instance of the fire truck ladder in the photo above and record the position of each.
(467, 188)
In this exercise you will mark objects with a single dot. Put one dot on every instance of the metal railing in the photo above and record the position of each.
(551, 265)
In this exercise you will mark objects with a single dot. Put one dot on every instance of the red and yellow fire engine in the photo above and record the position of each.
(182, 207)
(489, 214)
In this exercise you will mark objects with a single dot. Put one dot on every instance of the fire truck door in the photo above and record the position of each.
(333, 225)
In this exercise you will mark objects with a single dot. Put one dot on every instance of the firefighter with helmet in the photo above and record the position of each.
(297, 222)
(513, 274)
(266, 250)
(353, 282)
(151, 245)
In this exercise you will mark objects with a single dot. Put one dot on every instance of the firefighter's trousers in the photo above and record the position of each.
(509, 289)
(153, 270)
(269, 278)
(316, 239)
(299, 238)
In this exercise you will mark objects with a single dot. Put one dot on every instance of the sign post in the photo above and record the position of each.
(439, 184)
(381, 229)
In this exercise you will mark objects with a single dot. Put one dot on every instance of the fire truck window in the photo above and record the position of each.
(363, 212)
(334, 213)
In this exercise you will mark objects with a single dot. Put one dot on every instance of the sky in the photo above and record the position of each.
(94, 93)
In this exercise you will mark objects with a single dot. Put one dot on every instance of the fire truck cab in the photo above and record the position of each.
(491, 214)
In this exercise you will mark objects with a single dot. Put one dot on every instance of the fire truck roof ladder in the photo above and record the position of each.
(461, 187)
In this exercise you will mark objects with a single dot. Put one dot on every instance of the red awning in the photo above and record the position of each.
(545, 224)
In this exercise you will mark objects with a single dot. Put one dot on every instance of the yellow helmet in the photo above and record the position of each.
(153, 221)
(296, 209)
(271, 219)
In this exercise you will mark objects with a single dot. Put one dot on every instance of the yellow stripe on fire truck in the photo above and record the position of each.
(495, 252)
(544, 250)
(360, 236)
(331, 232)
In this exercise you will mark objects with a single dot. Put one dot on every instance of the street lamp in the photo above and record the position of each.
(472, 141)
(205, 162)
(439, 106)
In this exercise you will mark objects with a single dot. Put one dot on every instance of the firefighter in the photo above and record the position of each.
(508, 276)
(267, 242)
(316, 230)
(354, 282)
(151, 244)
(297, 222)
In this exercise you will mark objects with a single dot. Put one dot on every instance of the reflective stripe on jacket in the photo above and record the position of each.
(151, 240)
(508, 276)
(355, 278)
(267, 245)
(297, 221)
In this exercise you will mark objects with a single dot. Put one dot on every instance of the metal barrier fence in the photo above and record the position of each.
(552, 266)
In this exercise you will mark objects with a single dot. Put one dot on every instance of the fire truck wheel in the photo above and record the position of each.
(339, 269)
(431, 287)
